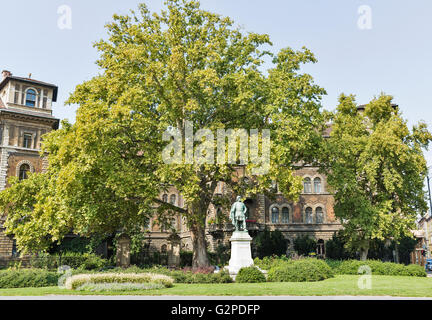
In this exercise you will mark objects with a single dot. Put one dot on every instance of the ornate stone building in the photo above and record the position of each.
(25, 116)
(312, 215)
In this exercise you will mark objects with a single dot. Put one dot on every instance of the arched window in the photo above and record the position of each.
(165, 198)
(308, 212)
(275, 215)
(319, 215)
(307, 185)
(173, 199)
(164, 248)
(30, 98)
(317, 185)
(23, 171)
(285, 215)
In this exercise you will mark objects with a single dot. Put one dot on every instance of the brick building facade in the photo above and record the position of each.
(311, 215)
(25, 116)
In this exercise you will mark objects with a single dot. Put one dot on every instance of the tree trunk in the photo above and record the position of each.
(364, 253)
(200, 258)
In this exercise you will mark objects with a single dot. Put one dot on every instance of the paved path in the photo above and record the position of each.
(201, 298)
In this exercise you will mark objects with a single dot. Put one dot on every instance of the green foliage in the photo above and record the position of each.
(416, 270)
(335, 248)
(84, 261)
(267, 263)
(379, 268)
(300, 271)
(180, 276)
(109, 287)
(375, 167)
(269, 243)
(305, 245)
(405, 246)
(160, 70)
(24, 278)
(186, 258)
(250, 275)
(221, 256)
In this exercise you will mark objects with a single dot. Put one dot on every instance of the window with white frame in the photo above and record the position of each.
(275, 215)
(307, 185)
(317, 185)
(319, 215)
(308, 213)
(27, 140)
(173, 199)
(285, 215)
(23, 171)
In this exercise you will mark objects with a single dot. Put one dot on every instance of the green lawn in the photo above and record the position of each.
(340, 285)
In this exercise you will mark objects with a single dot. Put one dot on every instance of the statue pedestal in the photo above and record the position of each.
(241, 254)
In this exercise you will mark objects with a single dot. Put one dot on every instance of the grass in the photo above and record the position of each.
(339, 286)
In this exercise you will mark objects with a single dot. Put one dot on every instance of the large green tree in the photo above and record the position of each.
(182, 66)
(376, 169)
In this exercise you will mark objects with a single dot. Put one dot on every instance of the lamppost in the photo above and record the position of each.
(429, 188)
(430, 211)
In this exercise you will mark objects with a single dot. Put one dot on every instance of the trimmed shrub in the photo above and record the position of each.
(267, 263)
(416, 270)
(300, 271)
(179, 276)
(77, 281)
(101, 287)
(333, 263)
(250, 275)
(26, 278)
(191, 277)
(380, 268)
(85, 261)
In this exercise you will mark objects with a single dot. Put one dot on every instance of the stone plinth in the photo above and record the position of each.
(241, 255)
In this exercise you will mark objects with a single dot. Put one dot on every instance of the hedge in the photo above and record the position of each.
(79, 280)
(303, 270)
(25, 278)
(267, 263)
(86, 261)
(179, 276)
(380, 268)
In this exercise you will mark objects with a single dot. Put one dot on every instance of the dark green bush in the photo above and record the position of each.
(186, 258)
(305, 245)
(25, 278)
(250, 275)
(380, 268)
(300, 271)
(335, 248)
(267, 243)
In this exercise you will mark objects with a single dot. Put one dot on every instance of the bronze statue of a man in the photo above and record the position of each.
(238, 215)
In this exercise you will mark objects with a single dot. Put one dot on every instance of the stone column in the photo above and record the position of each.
(174, 250)
(123, 252)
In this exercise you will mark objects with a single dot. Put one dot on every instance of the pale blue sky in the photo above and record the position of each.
(393, 57)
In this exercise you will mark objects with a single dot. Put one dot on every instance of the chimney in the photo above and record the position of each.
(6, 74)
